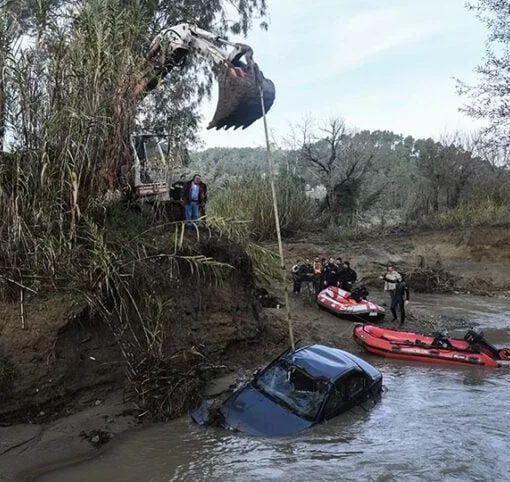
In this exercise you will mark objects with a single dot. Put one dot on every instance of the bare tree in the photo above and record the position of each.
(340, 159)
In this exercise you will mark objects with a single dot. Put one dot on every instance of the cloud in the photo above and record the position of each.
(355, 41)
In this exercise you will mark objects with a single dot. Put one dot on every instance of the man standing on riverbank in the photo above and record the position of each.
(347, 277)
(391, 278)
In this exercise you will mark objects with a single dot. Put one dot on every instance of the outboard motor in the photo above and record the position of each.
(474, 336)
(359, 293)
(477, 341)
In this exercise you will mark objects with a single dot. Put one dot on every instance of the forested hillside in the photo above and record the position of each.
(374, 173)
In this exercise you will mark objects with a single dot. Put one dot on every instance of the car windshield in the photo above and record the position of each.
(291, 385)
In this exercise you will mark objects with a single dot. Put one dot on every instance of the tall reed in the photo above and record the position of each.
(71, 118)
(249, 199)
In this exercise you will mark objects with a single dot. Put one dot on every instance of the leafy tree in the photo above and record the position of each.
(490, 98)
(447, 171)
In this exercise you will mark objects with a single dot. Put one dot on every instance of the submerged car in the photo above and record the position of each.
(299, 389)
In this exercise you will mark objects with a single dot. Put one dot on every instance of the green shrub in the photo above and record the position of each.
(250, 199)
(477, 214)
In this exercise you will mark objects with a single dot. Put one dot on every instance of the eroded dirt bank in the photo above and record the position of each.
(68, 389)
(69, 397)
(473, 260)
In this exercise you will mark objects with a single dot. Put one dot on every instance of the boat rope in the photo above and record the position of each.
(276, 216)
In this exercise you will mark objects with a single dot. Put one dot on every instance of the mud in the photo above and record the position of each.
(77, 437)
(58, 356)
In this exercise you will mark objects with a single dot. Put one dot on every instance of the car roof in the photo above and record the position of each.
(322, 361)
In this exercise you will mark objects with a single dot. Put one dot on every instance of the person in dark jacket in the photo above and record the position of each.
(177, 188)
(194, 197)
(399, 299)
(329, 274)
(301, 272)
(347, 277)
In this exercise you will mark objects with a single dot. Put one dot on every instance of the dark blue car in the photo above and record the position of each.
(298, 390)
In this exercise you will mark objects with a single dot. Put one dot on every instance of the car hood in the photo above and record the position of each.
(250, 411)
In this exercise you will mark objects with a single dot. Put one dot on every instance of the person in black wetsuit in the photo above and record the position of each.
(399, 299)
(329, 274)
(347, 277)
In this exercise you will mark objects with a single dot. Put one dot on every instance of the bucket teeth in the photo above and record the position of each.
(239, 98)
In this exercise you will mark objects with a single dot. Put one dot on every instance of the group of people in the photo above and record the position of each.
(323, 273)
(193, 196)
(335, 272)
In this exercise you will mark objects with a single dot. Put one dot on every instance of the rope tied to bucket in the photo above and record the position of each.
(276, 215)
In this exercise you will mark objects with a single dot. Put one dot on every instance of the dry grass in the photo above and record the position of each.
(249, 200)
(476, 214)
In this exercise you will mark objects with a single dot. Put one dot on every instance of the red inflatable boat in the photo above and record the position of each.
(342, 304)
(472, 350)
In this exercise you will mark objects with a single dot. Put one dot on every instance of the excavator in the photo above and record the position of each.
(242, 87)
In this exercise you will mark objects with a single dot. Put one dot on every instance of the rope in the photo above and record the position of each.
(276, 216)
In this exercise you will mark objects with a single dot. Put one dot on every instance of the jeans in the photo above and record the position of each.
(191, 211)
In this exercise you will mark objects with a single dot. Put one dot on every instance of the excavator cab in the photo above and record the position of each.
(148, 167)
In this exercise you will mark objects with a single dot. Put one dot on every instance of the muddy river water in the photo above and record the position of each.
(432, 423)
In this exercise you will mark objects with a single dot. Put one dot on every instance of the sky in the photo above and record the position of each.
(387, 65)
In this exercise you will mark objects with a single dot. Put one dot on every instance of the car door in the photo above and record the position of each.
(345, 393)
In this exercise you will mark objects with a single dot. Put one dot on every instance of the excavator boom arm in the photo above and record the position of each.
(239, 82)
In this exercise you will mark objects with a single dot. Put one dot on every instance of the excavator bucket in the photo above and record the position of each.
(239, 103)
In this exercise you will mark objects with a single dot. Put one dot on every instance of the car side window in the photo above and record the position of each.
(343, 391)
(354, 386)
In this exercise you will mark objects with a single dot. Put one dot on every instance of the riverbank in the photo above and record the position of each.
(71, 368)
(29, 450)
(469, 260)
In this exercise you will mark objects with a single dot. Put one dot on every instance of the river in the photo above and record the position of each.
(432, 423)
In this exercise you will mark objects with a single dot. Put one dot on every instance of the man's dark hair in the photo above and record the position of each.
(347, 263)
